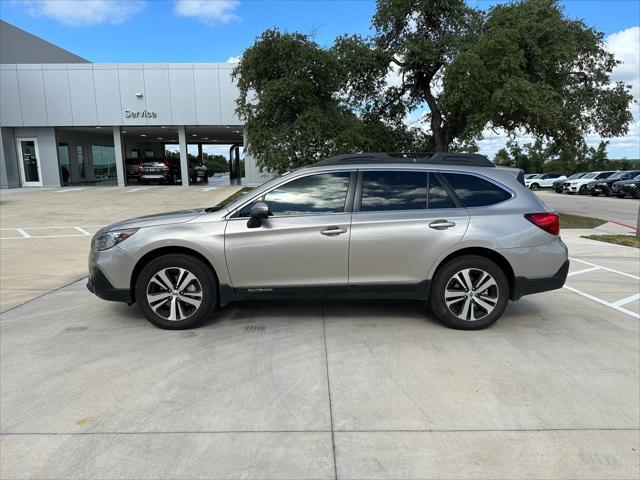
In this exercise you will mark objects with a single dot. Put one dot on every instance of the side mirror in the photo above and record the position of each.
(259, 212)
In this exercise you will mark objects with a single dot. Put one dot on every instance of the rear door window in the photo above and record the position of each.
(393, 190)
(474, 191)
(438, 195)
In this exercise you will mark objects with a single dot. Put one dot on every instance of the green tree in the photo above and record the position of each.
(289, 99)
(215, 163)
(522, 66)
(503, 159)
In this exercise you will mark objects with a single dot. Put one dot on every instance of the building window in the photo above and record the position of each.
(104, 165)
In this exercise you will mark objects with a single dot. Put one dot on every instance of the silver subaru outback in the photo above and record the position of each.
(448, 228)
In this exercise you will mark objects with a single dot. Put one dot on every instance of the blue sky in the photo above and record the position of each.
(113, 31)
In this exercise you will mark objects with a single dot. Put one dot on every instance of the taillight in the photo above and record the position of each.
(549, 222)
(165, 166)
(139, 168)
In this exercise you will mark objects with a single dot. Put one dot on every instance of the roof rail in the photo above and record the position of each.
(451, 158)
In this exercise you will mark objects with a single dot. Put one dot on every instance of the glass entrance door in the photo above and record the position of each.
(29, 162)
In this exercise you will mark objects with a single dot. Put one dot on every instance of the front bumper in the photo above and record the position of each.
(527, 286)
(99, 285)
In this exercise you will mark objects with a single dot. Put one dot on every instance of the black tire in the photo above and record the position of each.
(559, 190)
(635, 192)
(620, 195)
(595, 194)
(445, 275)
(583, 190)
(205, 290)
(534, 186)
(606, 191)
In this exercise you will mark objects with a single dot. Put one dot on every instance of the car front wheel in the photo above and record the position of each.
(469, 293)
(534, 186)
(176, 291)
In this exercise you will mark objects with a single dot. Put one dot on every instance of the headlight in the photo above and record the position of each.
(106, 240)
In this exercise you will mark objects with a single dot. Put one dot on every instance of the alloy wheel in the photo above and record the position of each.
(471, 294)
(174, 293)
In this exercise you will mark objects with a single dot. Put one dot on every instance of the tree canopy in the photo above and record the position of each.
(521, 67)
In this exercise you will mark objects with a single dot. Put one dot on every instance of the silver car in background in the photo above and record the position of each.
(448, 228)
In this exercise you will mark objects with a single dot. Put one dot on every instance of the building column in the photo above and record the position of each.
(117, 146)
(184, 159)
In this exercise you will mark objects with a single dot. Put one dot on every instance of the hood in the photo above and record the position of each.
(180, 216)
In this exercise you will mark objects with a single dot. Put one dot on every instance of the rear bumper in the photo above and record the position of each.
(99, 285)
(527, 286)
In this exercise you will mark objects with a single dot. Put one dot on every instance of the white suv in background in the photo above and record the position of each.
(543, 180)
(579, 185)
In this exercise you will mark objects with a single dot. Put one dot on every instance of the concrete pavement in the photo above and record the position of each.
(59, 223)
(327, 389)
(612, 209)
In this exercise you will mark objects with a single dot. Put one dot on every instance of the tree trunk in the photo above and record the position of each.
(440, 143)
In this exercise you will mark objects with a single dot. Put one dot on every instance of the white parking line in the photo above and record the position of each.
(64, 190)
(592, 269)
(603, 302)
(629, 299)
(50, 228)
(137, 189)
(208, 189)
(42, 236)
(82, 230)
(23, 233)
(604, 268)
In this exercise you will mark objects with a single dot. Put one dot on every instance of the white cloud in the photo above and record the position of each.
(235, 59)
(86, 13)
(208, 11)
(625, 45)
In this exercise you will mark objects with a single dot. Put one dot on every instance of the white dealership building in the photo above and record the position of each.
(67, 121)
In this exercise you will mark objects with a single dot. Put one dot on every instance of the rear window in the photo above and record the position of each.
(475, 191)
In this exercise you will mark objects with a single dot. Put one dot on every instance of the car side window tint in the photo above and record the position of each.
(475, 191)
(310, 195)
(393, 190)
(438, 195)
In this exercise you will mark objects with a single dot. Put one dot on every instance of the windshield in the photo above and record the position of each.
(590, 175)
(575, 175)
(239, 194)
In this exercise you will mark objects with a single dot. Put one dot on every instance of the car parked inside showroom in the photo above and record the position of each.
(167, 171)
(543, 180)
(449, 228)
(603, 186)
(558, 185)
(623, 188)
(579, 185)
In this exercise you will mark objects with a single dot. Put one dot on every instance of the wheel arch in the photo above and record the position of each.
(492, 255)
(159, 252)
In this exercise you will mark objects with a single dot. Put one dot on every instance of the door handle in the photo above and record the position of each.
(441, 224)
(333, 231)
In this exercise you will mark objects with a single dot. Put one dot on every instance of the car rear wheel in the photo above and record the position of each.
(534, 186)
(595, 194)
(469, 293)
(635, 192)
(176, 291)
(582, 190)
